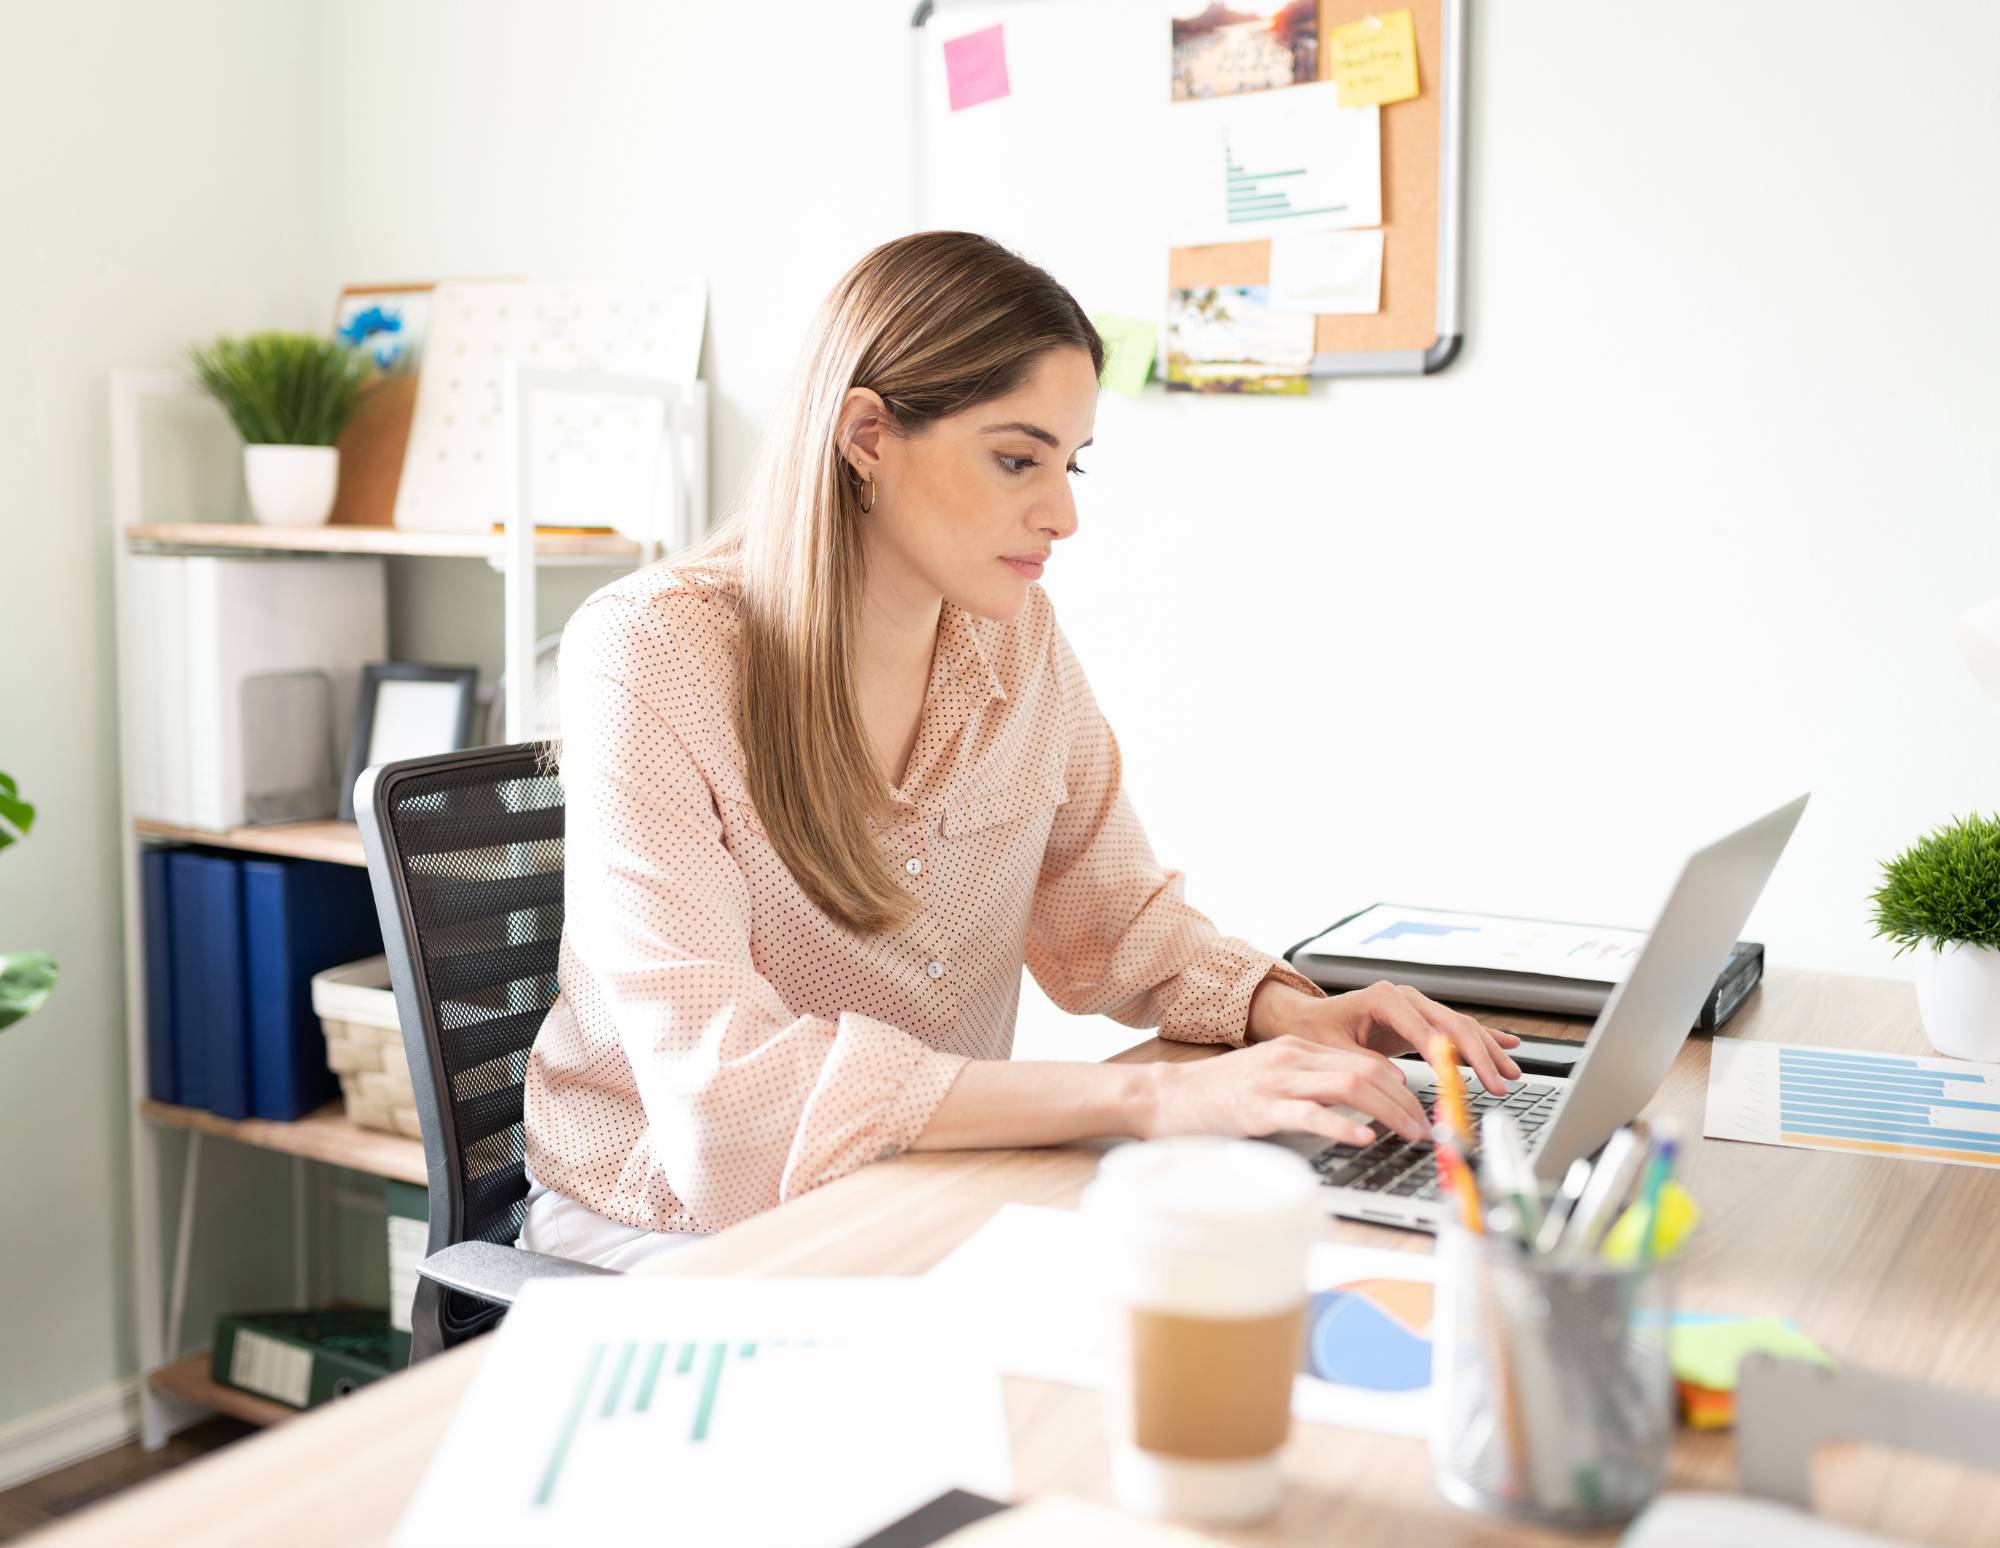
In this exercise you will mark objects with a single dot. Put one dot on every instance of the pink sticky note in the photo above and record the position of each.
(975, 67)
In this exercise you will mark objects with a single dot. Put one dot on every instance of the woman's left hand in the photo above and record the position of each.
(1384, 1018)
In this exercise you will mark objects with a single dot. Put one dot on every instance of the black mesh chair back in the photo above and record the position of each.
(465, 853)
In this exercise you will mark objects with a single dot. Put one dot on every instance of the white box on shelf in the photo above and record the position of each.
(211, 624)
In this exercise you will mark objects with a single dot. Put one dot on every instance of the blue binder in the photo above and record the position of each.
(156, 917)
(299, 917)
(212, 1049)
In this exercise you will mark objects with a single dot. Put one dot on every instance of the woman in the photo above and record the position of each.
(834, 777)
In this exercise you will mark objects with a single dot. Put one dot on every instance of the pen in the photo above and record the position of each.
(1505, 1164)
(1573, 1183)
(1659, 1168)
(1611, 1179)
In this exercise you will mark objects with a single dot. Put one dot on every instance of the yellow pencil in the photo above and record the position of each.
(1451, 1092)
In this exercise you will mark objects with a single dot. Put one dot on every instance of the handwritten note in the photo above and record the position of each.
(1375, 60)
(975, 67)
(1129, 346)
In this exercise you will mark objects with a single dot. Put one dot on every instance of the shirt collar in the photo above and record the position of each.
(962, 648)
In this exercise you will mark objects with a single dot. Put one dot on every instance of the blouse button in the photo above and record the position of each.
(935, 970)
(914, 866)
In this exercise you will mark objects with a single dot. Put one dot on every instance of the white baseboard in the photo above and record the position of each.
(85, 1425)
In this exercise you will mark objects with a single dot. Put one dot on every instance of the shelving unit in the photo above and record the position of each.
(189, 1380)
(178, 1389)
(338, 842)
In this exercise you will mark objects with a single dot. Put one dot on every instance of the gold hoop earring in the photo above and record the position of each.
(868, 496)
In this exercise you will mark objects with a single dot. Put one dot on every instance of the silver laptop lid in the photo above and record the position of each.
(1644, 1023)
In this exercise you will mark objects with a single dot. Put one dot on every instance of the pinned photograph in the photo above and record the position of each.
(1221, 50)
(1227, 338)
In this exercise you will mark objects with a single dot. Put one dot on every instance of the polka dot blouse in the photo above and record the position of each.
(720, 1044)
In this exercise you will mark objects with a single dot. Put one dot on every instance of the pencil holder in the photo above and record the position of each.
(1552, 1393)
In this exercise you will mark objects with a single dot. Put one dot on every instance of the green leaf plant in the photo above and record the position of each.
(26, 977)
(1944, 888)
(286, 389)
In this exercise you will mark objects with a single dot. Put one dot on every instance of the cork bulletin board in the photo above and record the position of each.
(1064, 165)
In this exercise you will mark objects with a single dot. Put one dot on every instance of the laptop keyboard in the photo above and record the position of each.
(1407, 1169)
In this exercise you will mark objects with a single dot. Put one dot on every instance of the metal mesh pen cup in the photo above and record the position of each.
(1552, 1397)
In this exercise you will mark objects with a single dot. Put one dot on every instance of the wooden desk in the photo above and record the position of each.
(1891, 1264)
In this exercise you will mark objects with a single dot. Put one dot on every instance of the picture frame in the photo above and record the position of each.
(407, 709)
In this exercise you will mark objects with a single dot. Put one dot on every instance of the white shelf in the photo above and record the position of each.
(396, 542)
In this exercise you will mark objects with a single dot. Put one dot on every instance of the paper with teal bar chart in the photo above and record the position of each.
(1272, 163)
(625, 1406)
(1869, 1104)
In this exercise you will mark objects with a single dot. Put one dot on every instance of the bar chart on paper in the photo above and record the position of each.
(1906, 1108)
(700, 1389)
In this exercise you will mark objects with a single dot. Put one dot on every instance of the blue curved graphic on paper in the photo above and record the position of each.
(1401, 927)
(1353, 1342)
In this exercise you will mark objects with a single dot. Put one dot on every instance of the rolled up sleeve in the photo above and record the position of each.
(1109, 930)
(747, 1103)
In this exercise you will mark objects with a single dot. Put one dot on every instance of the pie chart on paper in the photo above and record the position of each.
(1371, 1334)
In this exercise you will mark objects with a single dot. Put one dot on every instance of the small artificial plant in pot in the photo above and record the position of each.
(1943, 892)
(26, 977)
(290, 395)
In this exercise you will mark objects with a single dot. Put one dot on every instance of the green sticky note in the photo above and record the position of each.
(1129, 345)
(1707, 1353)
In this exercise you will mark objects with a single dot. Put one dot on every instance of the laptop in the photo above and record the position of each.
(1394, 1181)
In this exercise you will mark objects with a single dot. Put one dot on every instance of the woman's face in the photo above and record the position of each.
(971, 506)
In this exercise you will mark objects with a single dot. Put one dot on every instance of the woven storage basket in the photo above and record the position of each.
(364, 1045)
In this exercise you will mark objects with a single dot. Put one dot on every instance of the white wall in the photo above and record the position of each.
(1679, 535)
(151, 193)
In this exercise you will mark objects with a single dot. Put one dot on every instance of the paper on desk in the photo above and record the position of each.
(1266, 163)
(1707, 1350)
(1390, 932)
(1337, 272)
(1677, 1520)
(1025, 1289)
(1869, 1104)
(732, 1411)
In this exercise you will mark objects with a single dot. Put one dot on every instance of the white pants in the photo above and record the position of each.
(558, 1225)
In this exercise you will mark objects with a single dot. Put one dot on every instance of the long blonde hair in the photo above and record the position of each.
(933, 324)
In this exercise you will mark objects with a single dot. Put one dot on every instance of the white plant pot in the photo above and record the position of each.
(1958, 996)
(291, 486)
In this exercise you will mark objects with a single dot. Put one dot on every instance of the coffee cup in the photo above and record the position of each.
(1202, 1248)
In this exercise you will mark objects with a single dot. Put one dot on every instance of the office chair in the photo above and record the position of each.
(465, 856)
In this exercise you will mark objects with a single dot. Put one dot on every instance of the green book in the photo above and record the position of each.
(302, 1358)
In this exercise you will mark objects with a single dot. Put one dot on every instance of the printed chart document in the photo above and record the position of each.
(1025, 1288)
(705, 1411)
(1271, 162)
(1389, 932)
(1894, 1105)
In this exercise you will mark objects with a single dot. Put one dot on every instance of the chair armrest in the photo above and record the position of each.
(495, 1273)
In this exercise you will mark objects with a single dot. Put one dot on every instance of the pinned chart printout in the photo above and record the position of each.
(1389, 932)
(1894, 1105)
(1337, 272)
(1270, 162)
(664, 1408)
(1025, 1289)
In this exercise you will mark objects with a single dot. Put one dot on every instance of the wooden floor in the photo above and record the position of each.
(42, 1501)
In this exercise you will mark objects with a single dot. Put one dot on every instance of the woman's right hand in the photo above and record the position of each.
(1286, 1083)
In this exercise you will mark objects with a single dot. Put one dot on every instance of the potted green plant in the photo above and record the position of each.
(290, 395)
(26, 977)
(1943, 892)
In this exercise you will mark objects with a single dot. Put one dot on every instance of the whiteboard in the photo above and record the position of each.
(1069, 169)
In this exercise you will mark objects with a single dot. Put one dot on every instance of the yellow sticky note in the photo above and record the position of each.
(1678, 1215)
(1707, 1353)
(1375, 60)
(1129, 346)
